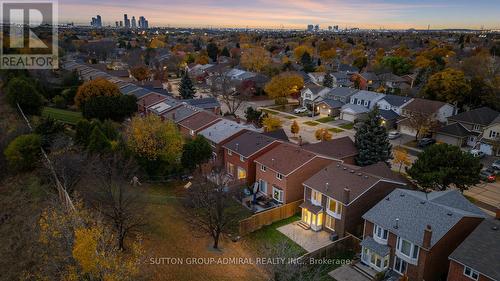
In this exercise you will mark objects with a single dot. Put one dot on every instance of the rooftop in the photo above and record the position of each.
(249, 143)
(199, 120)
(222, 130)
(285, 158)
(337, 148)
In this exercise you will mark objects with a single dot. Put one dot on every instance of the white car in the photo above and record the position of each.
(477, 153)
(300, 109)
(393, 135)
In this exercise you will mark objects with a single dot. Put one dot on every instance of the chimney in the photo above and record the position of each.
(347, 193)
(497, 214)
(427, 237)
(237, 146)
(237, 119)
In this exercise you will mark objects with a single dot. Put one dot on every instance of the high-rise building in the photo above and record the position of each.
(316, 28)
(126, 21)
(310, 27)
(96, 21)
(146, 24)
(134, 24)
(121, 23)
(117, 23)
(143, 23)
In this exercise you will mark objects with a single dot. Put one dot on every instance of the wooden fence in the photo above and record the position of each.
(261, 219)
(343, 245)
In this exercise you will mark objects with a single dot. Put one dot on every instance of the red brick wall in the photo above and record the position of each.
(456, 273)
(294, 188)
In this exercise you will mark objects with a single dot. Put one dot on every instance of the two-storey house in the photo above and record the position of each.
(412, 233)
(359, 105)
(332, 102)
(434, 111)
(190, 126)
(338, 195)
(311, 94)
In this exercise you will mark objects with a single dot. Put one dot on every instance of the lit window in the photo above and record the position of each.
(315, 198)
(229, 152)
(469, 272)
(279, 176)
(277, 194)
(263, 168)
(334, 208)
(242, 174)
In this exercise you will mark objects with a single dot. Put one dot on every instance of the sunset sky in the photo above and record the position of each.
(291, 13)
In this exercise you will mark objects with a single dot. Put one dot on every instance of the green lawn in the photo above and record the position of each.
(347, 126)
(270, 111)
(65, 116)
(290, 117)
(268, 236)
(311, 123)
(325, 119)
(335, 130)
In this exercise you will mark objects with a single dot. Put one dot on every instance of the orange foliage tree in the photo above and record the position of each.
(95, 88)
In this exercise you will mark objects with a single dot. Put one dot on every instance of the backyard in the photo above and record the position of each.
(65, 116)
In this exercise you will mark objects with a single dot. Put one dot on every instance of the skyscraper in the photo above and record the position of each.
(310, 27)
(96, 21)
(143, 23)
(126, 21)
(117, 23)
(134, 25)
(121, 23)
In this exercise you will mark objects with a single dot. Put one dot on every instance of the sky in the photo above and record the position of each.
(390, 14)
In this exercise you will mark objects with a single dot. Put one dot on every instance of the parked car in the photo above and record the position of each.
(394, 135)
(496, 165)
(488, 175)
(425, 142)
(300, 109)
(477, 153)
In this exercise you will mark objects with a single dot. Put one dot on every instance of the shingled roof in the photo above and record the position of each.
(483, 116)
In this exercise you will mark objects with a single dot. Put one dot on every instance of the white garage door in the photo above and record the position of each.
(486, 148)
(407, 130)
(348, 117)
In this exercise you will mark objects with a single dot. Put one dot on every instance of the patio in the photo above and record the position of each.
(260, 204)
(307, 239)
(348, 273)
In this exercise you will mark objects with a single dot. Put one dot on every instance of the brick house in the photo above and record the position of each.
(219, 134)
(163, 106)
(342, 149)
(241, 151)
(147, 100)
(190, 126)
(281, 171)
(413, 233)
(338, 195)
(478, 257)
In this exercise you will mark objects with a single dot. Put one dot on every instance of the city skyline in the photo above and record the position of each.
(390, 14)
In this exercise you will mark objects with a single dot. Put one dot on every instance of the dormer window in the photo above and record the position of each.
(477, 127)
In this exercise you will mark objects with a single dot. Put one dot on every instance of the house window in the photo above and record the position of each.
(192, 132)
(359, 102)
(407, 248)
(366, 103)
(334, 208)
(493, 134)
(315, 198)
(229, 152)
(263, 168)
(242, 173)
(279, 176)
(330, 222)
(380, 233)
(263, 186)
(242, 159)
(469, 272)
(477, 127)
(277, 194)
(400, 266)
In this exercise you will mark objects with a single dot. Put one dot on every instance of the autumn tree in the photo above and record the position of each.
(283, 85)
(212, 51)
(420, 122)
(294, 128)
(140, 73)
(95, 88)
(401, 157)
(322, 134)
(223, 89)
(254, 116)
(22, 153)
(157, 143)
(209, 206)
(186, 88)
(271, 123)
(448, 86)
(255, 59)
(299, 52)
(328, 55)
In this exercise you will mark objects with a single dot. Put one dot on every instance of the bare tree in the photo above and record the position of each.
(209, 205)
(421, 123)
(114, 197)
(225, 90)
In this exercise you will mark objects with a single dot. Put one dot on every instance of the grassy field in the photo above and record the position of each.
(65, 116)
(347, 126)
(311, 123)
(325, 119)
(335, 130)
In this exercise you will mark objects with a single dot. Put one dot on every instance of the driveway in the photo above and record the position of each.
(487, 196)
(307, 239)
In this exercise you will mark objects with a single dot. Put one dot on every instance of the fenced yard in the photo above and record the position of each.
(261, 219)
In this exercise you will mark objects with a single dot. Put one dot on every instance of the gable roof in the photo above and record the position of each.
(368, 95)
(285, 158)
(337, 148)
(164, 106)
(204, 103)
(199, 120)
(222, 130)
(424, 106)
(249, 143)
(481, 249)
(279, 134)
(388, 114)
(442, 210)
(455, 129)
(180, 113)
(341, 92)
(483, 116)
(394, 100)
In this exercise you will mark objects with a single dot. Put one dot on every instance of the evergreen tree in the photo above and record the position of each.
(186, 89)
(328, 80)
(307, 62)
(98, 141)
(225, 52)
(371, 141)
(196, 152)
(212, 51)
